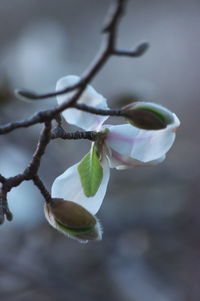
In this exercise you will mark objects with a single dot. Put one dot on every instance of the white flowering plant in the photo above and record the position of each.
(143, 140)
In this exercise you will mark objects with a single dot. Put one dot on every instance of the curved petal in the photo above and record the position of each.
(120, 162)
(139, 144)
(68, 187)
(90, 97)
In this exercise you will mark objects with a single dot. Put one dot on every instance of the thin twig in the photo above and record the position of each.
(38, 182)
(31, 170)
(4, 210)
(39, 117)
(59, 132)
(138, 51)
(42, 144)
(93, 110)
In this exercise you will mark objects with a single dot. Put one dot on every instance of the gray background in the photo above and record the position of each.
(151, 245)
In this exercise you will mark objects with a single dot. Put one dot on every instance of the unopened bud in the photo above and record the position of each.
(73, 220)
(26, 95)
(148, 117)
(71, 214)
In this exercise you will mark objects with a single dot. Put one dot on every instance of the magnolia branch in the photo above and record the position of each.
(108, 48)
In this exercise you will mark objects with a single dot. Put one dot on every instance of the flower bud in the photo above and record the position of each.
(71, 214)
(148, 116)
(73, 220)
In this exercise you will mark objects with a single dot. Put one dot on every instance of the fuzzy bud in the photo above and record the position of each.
(73, 220)
(148, 117)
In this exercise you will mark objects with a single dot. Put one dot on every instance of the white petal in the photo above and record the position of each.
(120, 162)
(68, 187)
(89, 97)
(139, 144)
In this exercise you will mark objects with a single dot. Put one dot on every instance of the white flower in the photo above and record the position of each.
(123, 145)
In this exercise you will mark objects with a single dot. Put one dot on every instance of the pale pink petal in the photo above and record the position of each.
(89, 97)
(68, 187)
(118, 161)
(139, 144)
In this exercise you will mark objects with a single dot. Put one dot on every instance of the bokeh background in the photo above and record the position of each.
(151, 244)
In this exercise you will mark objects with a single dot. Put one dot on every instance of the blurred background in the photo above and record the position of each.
(151, 244)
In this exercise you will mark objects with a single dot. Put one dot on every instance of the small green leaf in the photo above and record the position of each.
(91, 173)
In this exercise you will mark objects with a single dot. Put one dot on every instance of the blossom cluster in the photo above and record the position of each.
(144, 139)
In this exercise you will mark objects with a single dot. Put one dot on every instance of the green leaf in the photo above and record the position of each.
(91, 173)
